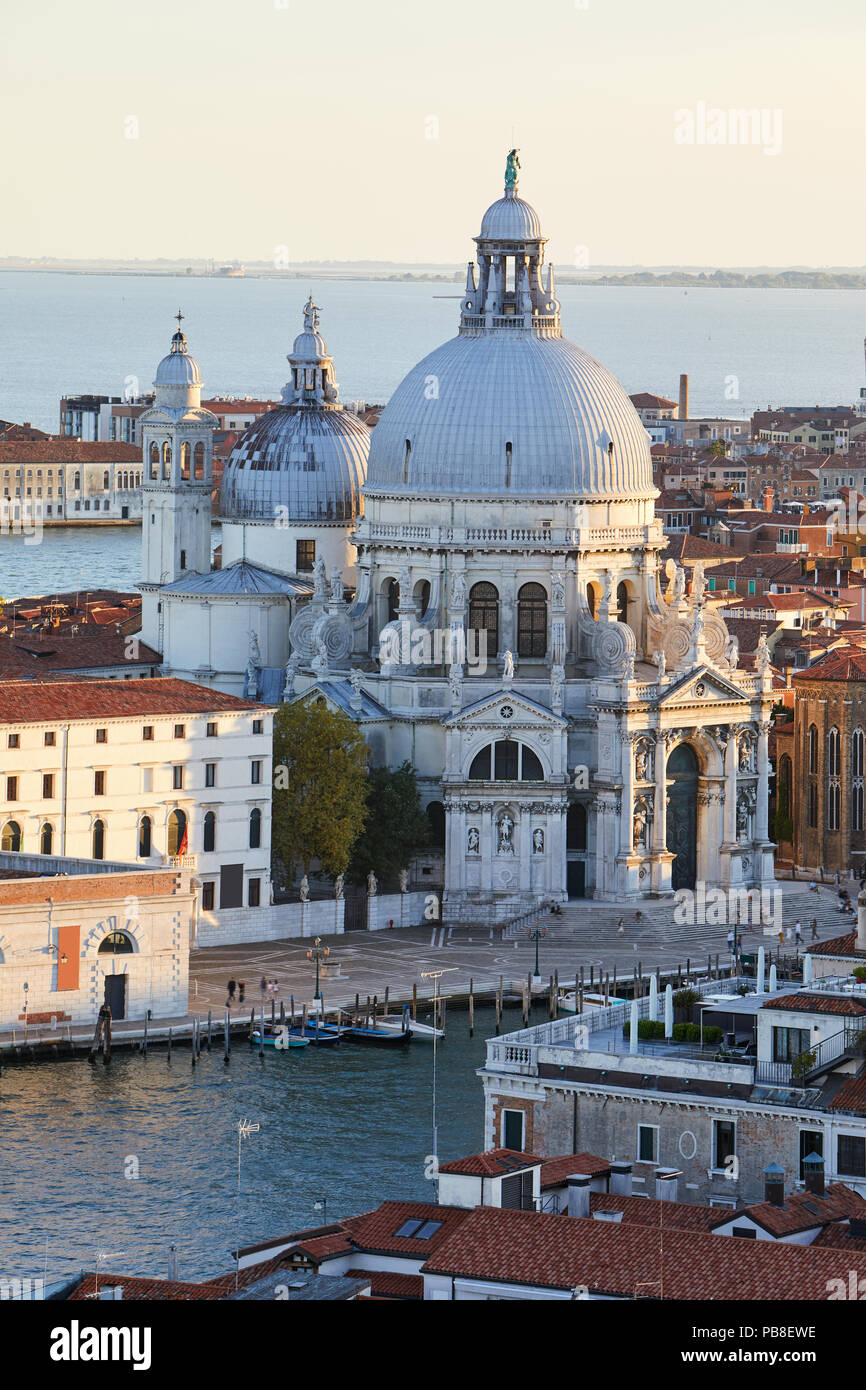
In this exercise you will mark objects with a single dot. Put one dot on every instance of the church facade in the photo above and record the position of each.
(485, 599)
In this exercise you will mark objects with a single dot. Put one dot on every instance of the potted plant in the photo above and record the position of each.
(802, 1065)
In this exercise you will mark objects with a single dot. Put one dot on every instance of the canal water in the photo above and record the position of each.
(131, 1158)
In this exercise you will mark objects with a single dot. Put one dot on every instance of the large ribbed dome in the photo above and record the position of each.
(556, 407)
(309, 462)
(510, 408)
(306, 460)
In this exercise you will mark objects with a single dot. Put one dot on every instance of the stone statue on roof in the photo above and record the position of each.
(512, 164)
(311, 316)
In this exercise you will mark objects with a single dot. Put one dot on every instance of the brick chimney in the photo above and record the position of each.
(813, 1173)
(767, 498)
(683, 408)
(774, 1185)
(578, 1194)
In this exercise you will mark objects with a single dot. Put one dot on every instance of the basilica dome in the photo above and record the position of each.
(306, 460)
(510, 408)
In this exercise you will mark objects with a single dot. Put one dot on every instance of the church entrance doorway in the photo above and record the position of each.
(575, 878)
(682, 821)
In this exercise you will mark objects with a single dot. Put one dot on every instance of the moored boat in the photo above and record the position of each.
(393, 1023)
(567, 1003)
(281, 1039)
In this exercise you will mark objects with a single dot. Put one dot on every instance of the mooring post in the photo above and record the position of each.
(209, 1026)
(226, 1037)
(106, 1040)
(414, 1000)
(144, 1039)
(282, 1013)
(168, 1056)
(387, 994)
(471, 1007)
(194, 1022)
(262, 1034)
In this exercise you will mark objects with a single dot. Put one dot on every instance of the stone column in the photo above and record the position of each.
(488, 848)
(524, 846)
(626, 841)
(763, 782)
(660, 757)
(731, 790)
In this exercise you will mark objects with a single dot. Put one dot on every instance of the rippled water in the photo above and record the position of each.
(352, 1124)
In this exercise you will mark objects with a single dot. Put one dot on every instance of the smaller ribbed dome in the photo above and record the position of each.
(511, 219)
(178, 368)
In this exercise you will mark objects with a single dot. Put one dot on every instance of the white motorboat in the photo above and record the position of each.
(567, 1003)
(395, 1023)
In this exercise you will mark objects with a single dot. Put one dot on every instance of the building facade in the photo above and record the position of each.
(825, 766)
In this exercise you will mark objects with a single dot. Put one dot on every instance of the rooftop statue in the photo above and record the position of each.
(512, 164)
(311, 316)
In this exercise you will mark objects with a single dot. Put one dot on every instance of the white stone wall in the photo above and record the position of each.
(157, 970)
(404, 909)
(274, 923)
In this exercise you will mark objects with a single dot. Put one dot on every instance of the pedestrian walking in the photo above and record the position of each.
(276, 988)
(814, 928)
(798, 933)
(242, 990)
(731, 941)
(781, 936)
(263, 986)
(231, 993)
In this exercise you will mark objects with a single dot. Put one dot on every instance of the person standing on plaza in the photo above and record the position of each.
(231, 993)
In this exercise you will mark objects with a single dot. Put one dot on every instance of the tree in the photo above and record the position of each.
(719, 448)
(396, 827)
(320, 786)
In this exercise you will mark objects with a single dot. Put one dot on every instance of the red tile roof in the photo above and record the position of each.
(28, 655)
(491, 1164)
(851, 1096)
(836, 1237)
(844, 664)
(62, 701)
(144, 1290)
(838, 1201)
(817, 1004)
(386, 1284)
(561, 1252)
(837, 946)
(555, 1171)
(68, 451)
(377, 1230)
(645, 400)
(639, 1211)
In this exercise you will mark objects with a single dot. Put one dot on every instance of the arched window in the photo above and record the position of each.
(833, 753)
(575, 826)
(166, 460)
(393, 599)
(209, 837)
(436, 817)
(105, 480)
(422, 597)
(10, 842)
(484, 619)
(177, 838)
(592, 598)
(154, 460)
(532, 621)
(99, 839)
(506, 761)
(857, 806)
(623, 602)
(145, 837)
(46, 838)
(255, 828)
(834, 795)
(857, 753)
(116, 943)
(76, 482)
(813, 748)
(184, 460)
(198, 462)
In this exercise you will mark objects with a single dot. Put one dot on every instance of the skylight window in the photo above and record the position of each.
(419, 1230)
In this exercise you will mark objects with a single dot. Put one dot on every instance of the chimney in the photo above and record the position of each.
(813, 1173)
(774, 1185)
(667, 1181)
(683, 408)
(578, 1194)
(172, 1263)
(620, 1179)
(767, 498)
(861, 921)
(109, 1292)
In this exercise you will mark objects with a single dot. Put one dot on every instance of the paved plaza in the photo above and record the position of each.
(586, 935)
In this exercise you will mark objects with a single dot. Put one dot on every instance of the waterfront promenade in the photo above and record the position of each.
(587, 935)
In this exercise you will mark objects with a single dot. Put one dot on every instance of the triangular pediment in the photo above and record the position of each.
(505, 709)
(686, 691)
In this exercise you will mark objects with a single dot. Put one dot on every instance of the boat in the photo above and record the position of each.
(393, 1023)
(280, 1038)
(325, 1035)
(377, 1036)
(567, 1003)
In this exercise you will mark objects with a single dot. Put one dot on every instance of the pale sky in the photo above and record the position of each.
(305, 125)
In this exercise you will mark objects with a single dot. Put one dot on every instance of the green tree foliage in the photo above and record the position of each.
(320, 786)
(397, 827)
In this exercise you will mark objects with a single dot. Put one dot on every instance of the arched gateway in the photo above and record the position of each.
(682, 822)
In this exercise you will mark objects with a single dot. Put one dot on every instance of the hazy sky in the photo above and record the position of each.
(307, 126)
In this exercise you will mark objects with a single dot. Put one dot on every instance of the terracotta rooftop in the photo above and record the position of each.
(554, 1171)
(844, 664)
(54, 450)
(622, 1259)
(636, 1210)
(494, 1163)
(802, 1211)
(61, 701)
(645, 400)
(385, 1284)
(851, 1096)
(845, 945)
(817, 1004)
(377, 1230)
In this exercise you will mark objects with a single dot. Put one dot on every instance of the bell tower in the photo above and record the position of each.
(177, 479)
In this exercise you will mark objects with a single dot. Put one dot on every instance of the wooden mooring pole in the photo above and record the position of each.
(471, 1007)
(226, 1039)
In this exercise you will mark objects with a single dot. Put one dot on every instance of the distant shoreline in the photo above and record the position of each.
(783, 280)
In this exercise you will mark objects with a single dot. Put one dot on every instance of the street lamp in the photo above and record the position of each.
(535, 934)
(318, 953)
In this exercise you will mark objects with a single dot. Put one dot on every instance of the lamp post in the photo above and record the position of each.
(535, 934)
(436, 976)
(244, 1129)
(318, 953)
